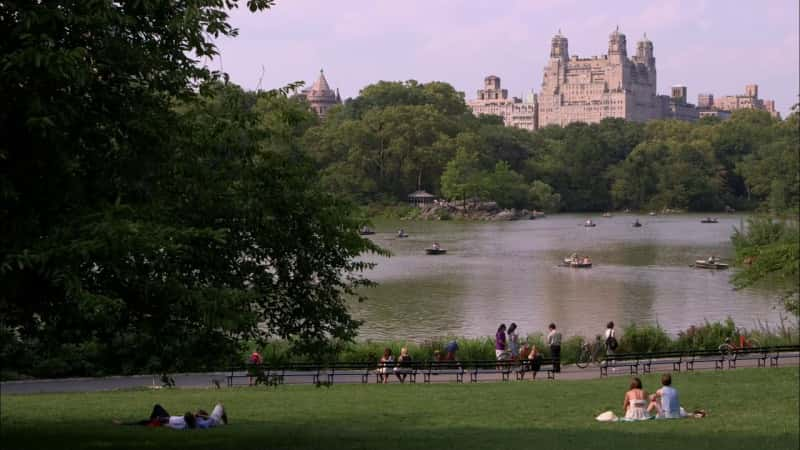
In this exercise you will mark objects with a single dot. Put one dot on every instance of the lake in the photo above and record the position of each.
(502, 272)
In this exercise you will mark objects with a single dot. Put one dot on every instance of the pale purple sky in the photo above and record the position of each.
(714, 46)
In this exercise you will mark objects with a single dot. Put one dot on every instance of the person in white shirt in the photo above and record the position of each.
(159, 417)
(665, 401)
(610, 339)
(554, 341)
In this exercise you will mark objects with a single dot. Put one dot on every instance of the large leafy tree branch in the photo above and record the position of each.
(151, 218)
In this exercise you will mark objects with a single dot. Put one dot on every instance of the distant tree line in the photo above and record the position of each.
(396, 137)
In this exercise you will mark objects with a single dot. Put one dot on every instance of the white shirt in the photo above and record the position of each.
(610, 332)
(176, 423)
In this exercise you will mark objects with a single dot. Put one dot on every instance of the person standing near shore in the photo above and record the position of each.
(500, 342)
(554, 341)
(610, 339)
(513, 341)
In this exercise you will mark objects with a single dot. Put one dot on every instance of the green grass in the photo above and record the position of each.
(748, 409)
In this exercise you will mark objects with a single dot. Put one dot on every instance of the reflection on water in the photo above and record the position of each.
(504, 272)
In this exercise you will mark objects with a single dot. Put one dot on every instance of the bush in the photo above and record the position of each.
(708, 336)
(646, 338)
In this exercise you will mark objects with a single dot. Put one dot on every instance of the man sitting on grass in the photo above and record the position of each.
(665, 401)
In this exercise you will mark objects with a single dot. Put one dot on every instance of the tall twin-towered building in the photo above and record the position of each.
(591, 89)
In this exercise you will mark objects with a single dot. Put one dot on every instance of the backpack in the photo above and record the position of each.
(612, 343)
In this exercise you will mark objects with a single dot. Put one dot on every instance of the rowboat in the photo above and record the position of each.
(704, 264)
(577, 263)
(435, 251)
(589, 224)
(365, 232)
(709, 220)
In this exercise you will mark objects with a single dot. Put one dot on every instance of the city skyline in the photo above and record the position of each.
(708, 46)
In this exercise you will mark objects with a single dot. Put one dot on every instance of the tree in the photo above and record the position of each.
(541, 197)
(769, 252)
(506, 187)
(463, 178)
(151, 218)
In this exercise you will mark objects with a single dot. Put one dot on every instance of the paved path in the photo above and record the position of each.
(204, 380)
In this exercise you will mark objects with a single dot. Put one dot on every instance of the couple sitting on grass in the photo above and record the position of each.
(159, 417)
(639, 406)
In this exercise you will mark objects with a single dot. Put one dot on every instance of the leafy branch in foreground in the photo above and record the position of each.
(769, 253)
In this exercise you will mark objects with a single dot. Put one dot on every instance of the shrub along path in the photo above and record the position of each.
(204, 380)
(748, 408)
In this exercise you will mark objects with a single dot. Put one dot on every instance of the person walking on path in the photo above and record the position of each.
(611, 343)
(254, 369)
(513, 341)
(500, 342)
(554, 341)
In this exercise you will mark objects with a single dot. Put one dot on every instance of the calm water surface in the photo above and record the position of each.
(507, 271)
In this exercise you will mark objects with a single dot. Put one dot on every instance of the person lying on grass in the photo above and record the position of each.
(159, 417)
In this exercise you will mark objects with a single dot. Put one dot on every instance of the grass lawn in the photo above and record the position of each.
(748, 409)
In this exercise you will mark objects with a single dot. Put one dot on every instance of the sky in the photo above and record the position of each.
(710, 46)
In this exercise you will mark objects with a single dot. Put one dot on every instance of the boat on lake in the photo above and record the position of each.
(577, 262)
(589, 223)
(652, 213)
(636, 224)
(435, 249)
(401, 234)
(606, 214)
(366, 231)
(710, 263)
(709, 220)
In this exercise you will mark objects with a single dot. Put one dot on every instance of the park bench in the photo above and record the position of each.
(667, 358)
(276, 373)
(699, 356)
(546, 365)
(489, 367)
(435, 368)
(411, 370)
(360, 369)
(619, 360)
(292, 370)
(758, 354)
(782, 351)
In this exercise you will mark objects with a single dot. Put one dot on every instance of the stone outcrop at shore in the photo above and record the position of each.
(489, 211)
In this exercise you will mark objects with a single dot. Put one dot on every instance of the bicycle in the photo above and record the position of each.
(729, 347)
(590, 353)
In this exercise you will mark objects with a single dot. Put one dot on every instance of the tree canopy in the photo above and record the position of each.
(153, 216)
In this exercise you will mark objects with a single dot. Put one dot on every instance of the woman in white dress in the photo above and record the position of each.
(635, 404)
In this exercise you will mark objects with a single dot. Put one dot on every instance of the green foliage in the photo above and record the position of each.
(744, 162)
(644, 338)
(769, 252)
(463, 177)
(506, 187)
(151, 217)
(541, 197)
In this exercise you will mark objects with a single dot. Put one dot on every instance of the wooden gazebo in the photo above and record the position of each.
(418, 198)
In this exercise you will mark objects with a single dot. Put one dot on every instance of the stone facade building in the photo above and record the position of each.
(320, 96)
(748, 100)
(494, 100)
(591, 89)
(612, 85)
